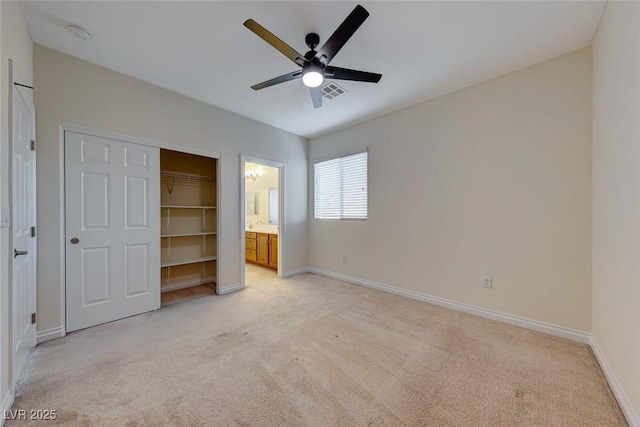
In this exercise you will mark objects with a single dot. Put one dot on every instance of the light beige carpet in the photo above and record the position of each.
(311, 351)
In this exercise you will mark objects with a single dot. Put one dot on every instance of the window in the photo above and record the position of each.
(341, 187)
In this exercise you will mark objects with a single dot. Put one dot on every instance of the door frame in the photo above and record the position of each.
(14, 84)
(72, 127)
(244, 159)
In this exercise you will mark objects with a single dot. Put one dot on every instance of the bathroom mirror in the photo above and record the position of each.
(251, 204)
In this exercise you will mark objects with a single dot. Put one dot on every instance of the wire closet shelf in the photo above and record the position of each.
(170, 178)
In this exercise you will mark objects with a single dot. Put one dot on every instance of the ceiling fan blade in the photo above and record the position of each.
(316, 96)
(274, 41)
(355, 75)
(342, 34)
(280, 79)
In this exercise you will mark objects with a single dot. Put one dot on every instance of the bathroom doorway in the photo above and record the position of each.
(262, 220)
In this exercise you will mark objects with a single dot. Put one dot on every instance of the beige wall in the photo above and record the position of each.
(616, 195)
(15, 44)
(492, 180)
(72, 90)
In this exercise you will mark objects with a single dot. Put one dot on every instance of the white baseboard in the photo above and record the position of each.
(230, 288)
(51, 334)
(618, 392)
(295, 272)
(187, 284)
(559, 331)
(7, 402)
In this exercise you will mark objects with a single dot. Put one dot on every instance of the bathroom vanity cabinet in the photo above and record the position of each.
(262, 248)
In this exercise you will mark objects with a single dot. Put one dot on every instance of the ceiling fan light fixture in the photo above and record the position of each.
(312, 76)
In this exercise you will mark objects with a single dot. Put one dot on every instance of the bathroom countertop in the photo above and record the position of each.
(267, 230)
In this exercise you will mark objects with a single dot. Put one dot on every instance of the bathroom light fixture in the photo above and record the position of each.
(78, 32)
(252, 174)
(312, 75)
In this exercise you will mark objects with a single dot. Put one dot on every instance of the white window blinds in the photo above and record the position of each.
(341, 188)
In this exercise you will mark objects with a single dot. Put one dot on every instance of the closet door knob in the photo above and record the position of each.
(75, 241)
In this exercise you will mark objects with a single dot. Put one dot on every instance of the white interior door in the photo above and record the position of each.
(23, 206)
(112, 202)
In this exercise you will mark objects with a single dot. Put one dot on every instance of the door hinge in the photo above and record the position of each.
(33, 318)
(33, 145)
(33, 231)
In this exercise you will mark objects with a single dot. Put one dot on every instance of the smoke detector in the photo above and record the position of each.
(332, 90)
(78, 32)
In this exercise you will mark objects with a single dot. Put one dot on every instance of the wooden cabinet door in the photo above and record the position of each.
(250, 252)
(263, 249)
(251, 244)
(273, 251)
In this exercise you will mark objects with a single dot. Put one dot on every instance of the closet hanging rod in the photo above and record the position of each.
(180, 175)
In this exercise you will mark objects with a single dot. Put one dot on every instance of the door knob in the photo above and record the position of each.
(75, 241)
(17, 253)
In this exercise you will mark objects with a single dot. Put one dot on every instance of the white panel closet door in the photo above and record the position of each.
(24, 244)
(112, 201)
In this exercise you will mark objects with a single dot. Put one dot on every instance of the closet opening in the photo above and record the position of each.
(262, 216)
(188, 226)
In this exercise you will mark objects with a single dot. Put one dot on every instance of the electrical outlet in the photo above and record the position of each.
(487, 282)
(344, 258)
(5, 217)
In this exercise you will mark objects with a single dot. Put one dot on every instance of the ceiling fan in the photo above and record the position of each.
(314, 65)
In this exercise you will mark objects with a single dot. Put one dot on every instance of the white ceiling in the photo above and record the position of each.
(422, 49)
